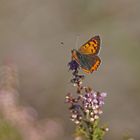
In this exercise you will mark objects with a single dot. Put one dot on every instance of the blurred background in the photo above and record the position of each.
(31, 33)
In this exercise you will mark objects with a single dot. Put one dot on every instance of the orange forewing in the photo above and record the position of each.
(91, 47)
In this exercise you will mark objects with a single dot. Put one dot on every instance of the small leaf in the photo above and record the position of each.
(80, 131)
(98, 134)
(96, 123)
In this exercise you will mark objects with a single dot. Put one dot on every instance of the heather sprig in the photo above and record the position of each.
(85, 107)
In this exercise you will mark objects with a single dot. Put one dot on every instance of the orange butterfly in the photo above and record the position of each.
(87, 55)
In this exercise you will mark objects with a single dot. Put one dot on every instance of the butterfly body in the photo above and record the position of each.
(87, 56)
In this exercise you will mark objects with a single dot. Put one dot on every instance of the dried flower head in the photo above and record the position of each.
(73, 65)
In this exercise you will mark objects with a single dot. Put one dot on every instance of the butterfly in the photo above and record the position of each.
(87, 55)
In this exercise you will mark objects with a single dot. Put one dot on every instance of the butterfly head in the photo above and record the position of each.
(74, 54)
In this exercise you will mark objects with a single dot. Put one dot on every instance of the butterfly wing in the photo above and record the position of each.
(88, 63)
(91, 47)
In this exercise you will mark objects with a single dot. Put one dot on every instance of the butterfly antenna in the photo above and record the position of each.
(77, 41)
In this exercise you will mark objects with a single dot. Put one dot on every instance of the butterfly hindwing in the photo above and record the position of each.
(88, 63)
(91, 47)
